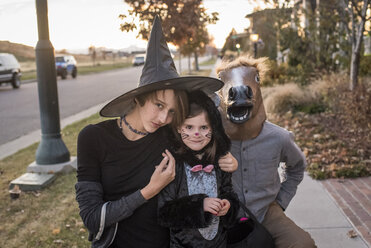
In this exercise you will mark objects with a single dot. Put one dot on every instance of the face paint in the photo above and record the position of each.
(184, 135)
(209, 135)
(196, 132)
(191, 131)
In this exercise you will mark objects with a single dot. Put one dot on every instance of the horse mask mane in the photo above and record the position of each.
(241, 104)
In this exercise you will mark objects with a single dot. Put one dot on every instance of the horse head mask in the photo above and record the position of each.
(241, 103)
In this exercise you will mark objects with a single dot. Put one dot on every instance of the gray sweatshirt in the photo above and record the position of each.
(257, 181)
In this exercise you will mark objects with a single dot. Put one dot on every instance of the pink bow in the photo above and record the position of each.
(198, 167)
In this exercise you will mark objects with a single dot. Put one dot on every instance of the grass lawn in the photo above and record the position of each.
(82, 70)
(49, 218)
(205, 73)
(210, 61)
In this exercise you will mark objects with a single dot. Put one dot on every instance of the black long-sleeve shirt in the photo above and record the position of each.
(122, 167)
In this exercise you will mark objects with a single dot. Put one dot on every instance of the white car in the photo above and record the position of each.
(139, 59)
(10, 70)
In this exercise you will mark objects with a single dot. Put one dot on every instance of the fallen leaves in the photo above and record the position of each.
(352, 234)
(332, 145)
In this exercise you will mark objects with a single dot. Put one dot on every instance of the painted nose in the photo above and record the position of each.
(240, 92)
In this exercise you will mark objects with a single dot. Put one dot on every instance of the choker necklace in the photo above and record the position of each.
(130, 127)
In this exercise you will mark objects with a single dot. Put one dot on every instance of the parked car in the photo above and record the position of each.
(139, 59)
(65, 65)
(10, 70)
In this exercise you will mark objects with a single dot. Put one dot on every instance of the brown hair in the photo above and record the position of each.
(181, 103)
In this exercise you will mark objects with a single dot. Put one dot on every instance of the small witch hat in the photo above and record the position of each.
(158, 73)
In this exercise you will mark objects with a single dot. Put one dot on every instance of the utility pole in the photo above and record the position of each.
(51, 149)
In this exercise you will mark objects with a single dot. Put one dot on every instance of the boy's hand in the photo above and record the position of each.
(228, 163)
(225, 207)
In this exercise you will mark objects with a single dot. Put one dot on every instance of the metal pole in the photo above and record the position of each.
(180, 62)
(51, 149)
(255, 49)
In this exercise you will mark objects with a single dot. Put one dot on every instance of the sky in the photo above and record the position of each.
(78, 24)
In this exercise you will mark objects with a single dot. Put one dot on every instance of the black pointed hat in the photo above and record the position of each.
(158, 73)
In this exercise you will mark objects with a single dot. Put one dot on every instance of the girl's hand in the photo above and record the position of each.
(212, 205)
(162, 176)
(225, 207)
(228, 163)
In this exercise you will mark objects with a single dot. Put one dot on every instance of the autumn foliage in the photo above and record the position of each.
(182, 21)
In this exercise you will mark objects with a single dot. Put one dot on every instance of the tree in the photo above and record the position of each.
(93, 54)
(356, 12)
(230, 42)
(183, 22)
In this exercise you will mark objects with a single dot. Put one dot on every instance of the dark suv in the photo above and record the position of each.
(65, 64)
(10, 70)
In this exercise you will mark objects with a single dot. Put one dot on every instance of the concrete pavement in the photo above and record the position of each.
(314, 209)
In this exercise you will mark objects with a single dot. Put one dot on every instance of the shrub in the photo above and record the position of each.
(354, 171)
(311, 108)
(365, 65)
(284, 73)
(282, 98)
(277, 74)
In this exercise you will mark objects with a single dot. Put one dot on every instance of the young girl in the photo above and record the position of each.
(200, 202)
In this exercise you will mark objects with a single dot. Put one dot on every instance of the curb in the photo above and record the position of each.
(24, 141)
(28, 81)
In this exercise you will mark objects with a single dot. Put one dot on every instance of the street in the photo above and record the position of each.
(19, 109)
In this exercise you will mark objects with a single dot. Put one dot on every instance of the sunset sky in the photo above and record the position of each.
(78, 24)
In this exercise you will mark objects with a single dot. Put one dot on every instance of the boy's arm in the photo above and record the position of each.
(294, 170)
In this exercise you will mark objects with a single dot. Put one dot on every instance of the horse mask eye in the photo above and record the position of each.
(257, 78)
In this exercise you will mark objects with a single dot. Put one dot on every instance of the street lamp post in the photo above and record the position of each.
(51, 149)
(255, 38)
(238, 49)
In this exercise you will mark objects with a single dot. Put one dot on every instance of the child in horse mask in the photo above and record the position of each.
(200, 202)
(260, 147)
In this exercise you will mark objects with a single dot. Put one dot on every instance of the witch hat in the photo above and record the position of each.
(158, 73)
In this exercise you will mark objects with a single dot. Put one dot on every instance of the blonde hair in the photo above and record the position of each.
(260, 64)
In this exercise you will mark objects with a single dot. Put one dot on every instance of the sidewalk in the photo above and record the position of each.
(314, 209)
(329, 209)
(353, 196)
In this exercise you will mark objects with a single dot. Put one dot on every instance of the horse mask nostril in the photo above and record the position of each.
(249, 93)
(232, 93)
